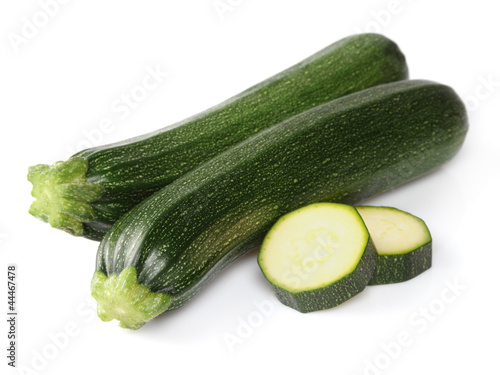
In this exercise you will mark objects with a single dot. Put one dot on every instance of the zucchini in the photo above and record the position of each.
(318, 256)
(164, 250)
(86, 194)
(403, 243)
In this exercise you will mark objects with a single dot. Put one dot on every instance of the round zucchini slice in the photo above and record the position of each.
(403, 243)
(318, 256)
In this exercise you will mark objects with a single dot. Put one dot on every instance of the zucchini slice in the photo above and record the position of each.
(403, 243)
(318, 256)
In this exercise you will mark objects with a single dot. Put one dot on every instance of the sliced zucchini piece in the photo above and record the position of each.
(403, 243)
(318, 256)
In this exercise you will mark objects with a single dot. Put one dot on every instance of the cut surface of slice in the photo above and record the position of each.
(318, 256)
(403, 243)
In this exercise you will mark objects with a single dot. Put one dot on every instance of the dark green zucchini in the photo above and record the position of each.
(163, 251)
(86, 194)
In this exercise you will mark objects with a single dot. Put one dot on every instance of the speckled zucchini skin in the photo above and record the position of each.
(343, 151)
(397, 268)
(132, 170)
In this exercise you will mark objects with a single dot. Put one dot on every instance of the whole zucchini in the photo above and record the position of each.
(86, 194)
(164, 250)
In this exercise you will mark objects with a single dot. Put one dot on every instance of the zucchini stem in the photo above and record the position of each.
(63, 194)
(122, 298)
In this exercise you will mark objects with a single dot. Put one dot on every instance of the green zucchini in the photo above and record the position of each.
(86, 194)
(318, 256)
(403, 243)
(164, 250)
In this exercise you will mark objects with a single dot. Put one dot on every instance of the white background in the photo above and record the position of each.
(61, 81)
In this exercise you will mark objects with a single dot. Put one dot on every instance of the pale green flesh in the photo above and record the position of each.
(394, 231)
(314, 246)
